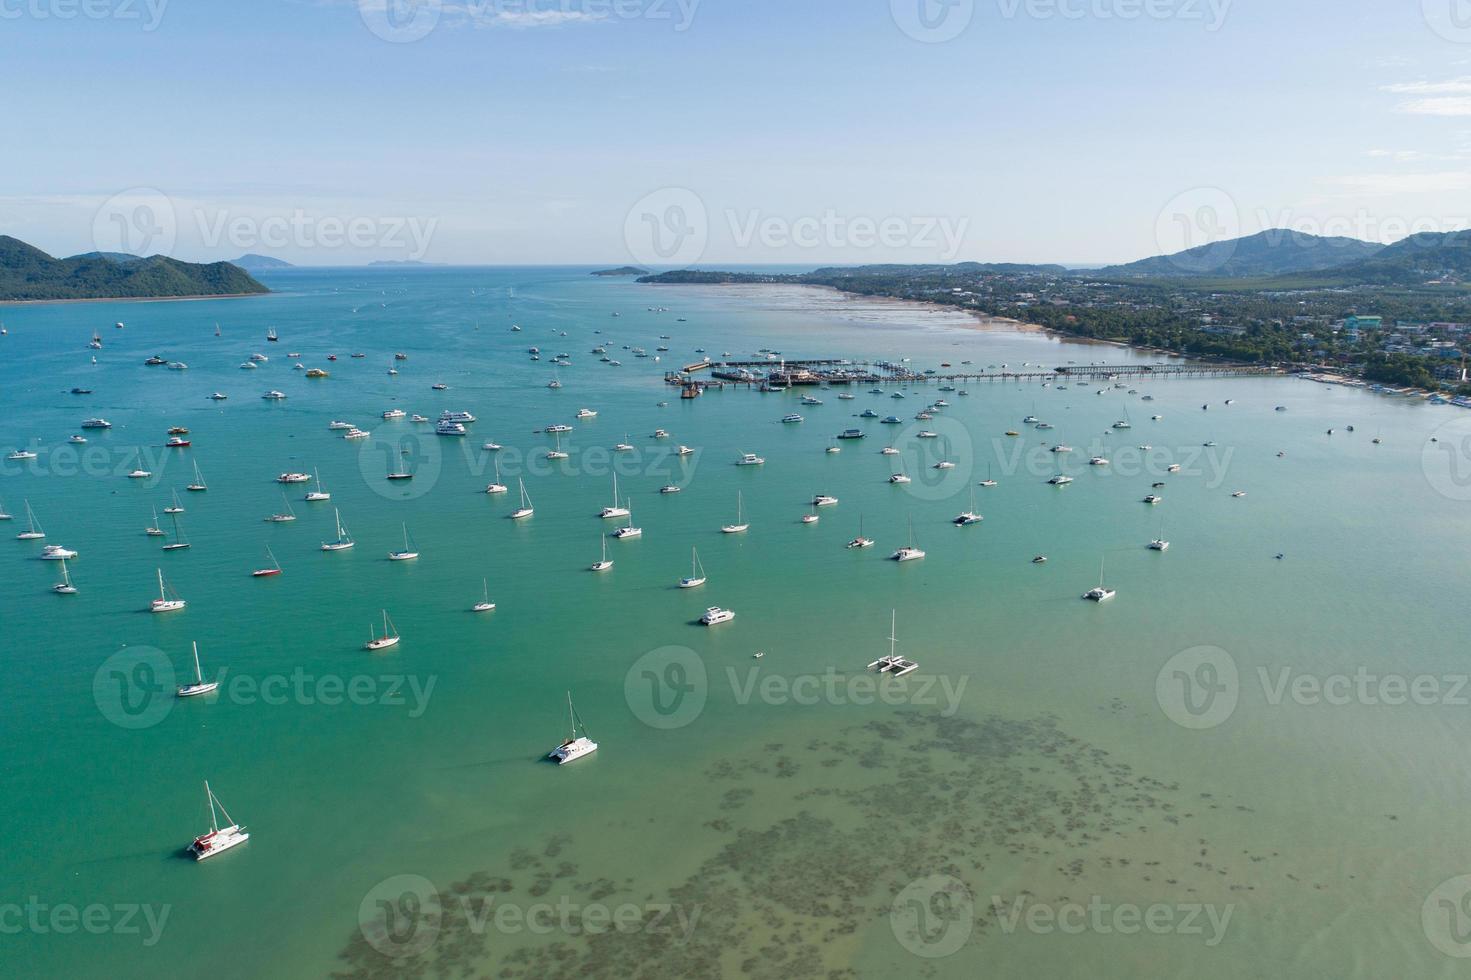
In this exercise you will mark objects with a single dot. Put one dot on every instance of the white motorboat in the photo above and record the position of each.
(750, 459)
(714, 616)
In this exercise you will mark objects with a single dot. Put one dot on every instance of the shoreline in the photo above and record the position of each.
(128, 299)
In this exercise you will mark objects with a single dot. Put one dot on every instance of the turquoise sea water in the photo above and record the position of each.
(1037, 758)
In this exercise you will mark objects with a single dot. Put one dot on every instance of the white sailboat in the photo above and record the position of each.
(153, 530)
(408, 553)
(3, 515)
(200, 685)
(177, 507)
(628, 530)
(388, 639)
(484, 605)
(575, 746)
(968, 517)
(602, 564)
(344, 540)
(320, 492)
(613, 510)
(64, 587)
(909, 552)
(860, 541)
(1099, 594)
(496, 486)
(219, 839)
(697, 576)
(740, 524)
(198, 486)
(525, 510)
(284, 517)
(168, 600)
(33, 530)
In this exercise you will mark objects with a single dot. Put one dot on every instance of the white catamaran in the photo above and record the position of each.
(576, 746)
(219, 839)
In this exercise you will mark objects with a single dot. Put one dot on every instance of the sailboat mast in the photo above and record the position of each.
(214, 823)
(198, 674)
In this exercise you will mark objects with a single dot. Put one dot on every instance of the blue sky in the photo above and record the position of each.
(724, 132)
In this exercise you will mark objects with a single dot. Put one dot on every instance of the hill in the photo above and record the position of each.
(1278, 252)
(1414, 261)
(27, 273)
(251, 262)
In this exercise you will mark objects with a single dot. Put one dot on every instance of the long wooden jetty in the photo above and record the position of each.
(829, 371)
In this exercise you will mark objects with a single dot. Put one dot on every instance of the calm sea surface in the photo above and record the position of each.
(1218, 773)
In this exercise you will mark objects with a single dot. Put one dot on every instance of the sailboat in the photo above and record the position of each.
(557, 452)
(198, 486)
(180, 542)
(628, 530)
(893, 663)
(271, 334)
(603, 564)
(576, 746)
(274, 569)
(968, 517)
(484, 605)
(909, 552)
(33, 530)
(153, 530)
(168, 600)
(1160, 543)
(740, 522)
(3, 515)
(988, 482)
(496, 486)
(286, 516)
(407, 554)
(177, 508)
(344, 540)
(388, 639)
(219, 839)
(697, 572)
(64, 587)
(614, 510)
(200, 685)
(217, 329)
(1099, 594)
(860, 541)
(525, 510)
(319, 492)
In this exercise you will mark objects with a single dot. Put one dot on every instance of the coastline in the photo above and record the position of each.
(129, 299)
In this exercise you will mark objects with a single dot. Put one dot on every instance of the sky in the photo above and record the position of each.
(667, 133)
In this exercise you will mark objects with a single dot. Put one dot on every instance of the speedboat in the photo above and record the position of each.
(218, 396)
(337, 425)
(824, 500)
(1153, 499)
(96, 424)
(274, 396)
(671, 488)
(55, 552)
(790, 419)
(1061, 480)
(750, 459)
(394, 413)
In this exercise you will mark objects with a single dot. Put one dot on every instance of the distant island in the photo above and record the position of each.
(251, 262)
(1396, 315)
(29, 274)
(627, 270)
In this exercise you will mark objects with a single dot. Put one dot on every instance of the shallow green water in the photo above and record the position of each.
(1030, 758)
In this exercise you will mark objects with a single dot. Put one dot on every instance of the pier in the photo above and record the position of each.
(828, 371)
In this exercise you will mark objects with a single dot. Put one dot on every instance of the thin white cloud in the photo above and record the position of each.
(1375, 185)
(1445, 107)
(1453, 86)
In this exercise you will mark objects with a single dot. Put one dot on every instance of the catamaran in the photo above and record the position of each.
(909, 552)
(525, 510)
(198, 486)
(893, 663)
(168, 600)
(968, 517)
(219, 839)
(484, 605)
(697, 576)
(64, 587)
(860, 541)
(1099, 594)
(408, 553)
(576, 746)
(200, 685)
(496, 486)
(613, 510)
(740, 524)
(153, 530)
(344, 540)
(628, 530)
(388, 639)
(33, 530)
(273, 569)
